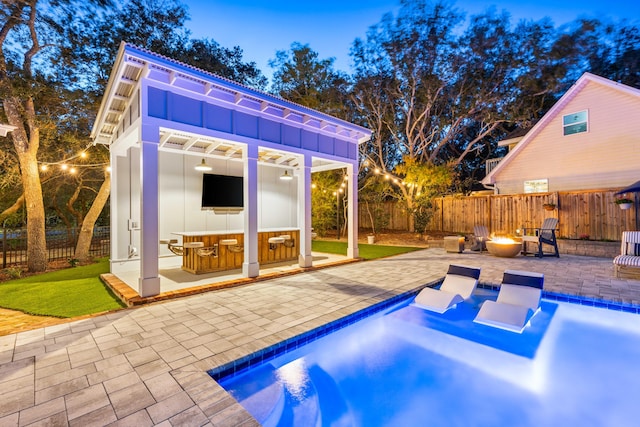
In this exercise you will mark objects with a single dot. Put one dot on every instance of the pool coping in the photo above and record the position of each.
(239, 366)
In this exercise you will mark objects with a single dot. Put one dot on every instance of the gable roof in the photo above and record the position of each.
(553, 112)
(133, 64)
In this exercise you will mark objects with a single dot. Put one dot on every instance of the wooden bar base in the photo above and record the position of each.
(231, 256)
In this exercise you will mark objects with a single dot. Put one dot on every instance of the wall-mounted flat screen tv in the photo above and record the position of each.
(222, 192)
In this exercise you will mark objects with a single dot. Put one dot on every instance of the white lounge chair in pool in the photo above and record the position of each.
(458, 285)
(518, 301)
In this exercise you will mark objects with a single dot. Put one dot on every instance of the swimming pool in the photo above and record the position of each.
(404, 366)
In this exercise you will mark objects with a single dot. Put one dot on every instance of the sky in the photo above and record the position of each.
(329, 27)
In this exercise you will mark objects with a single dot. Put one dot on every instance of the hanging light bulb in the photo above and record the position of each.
(203, 166)
(44, 167)
(72, 170)
(64, 167)
(108, 169)
(83, 154)
(286, 176)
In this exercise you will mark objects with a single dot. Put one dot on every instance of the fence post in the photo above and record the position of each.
(4, 247)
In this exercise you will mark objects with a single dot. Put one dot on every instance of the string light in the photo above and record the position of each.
(73, 168)
(398, 181)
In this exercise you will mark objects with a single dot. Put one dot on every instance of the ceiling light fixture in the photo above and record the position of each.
(286, 176)
(203, 166)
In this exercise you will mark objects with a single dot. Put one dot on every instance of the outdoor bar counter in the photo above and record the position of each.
(211, 251)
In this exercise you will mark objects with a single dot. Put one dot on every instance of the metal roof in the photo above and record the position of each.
(134, 64)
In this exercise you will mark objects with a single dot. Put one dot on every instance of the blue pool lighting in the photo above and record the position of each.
(402, 365)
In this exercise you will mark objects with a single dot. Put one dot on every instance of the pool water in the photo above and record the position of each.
(574, 365)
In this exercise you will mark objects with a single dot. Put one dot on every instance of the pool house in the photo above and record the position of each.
(209, 175)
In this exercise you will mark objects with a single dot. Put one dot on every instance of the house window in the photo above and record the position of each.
(575, 122)
(536, 186)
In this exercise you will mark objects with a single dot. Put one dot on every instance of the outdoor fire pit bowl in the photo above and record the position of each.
(504, 247)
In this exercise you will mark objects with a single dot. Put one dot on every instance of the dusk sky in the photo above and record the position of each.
(262, 27)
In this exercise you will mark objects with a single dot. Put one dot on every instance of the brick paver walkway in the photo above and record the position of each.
(147, 365)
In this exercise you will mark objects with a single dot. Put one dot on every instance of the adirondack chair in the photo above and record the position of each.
(480, 236)
(629, 259)
(539, 236)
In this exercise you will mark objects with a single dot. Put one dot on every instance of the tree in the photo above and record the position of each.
(427, 182)
(302, 77)
(438, 96)
(210, 56)
(86, 230)
(326, 195)
(372, 195)
(608, 49)
(28, 37)
(402, 72)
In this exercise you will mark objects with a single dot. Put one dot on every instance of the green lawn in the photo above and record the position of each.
(77, 291)
(366, 251)
(69, 292)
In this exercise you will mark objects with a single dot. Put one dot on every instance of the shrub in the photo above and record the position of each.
(14, 272)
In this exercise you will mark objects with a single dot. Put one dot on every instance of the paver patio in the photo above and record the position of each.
(147, 365)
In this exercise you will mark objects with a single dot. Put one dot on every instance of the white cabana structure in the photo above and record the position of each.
(161, 118)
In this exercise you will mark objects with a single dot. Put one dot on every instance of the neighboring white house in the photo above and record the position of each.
(160, 118)
(590, 139)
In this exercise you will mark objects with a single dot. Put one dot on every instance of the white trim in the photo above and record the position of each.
(585, 121)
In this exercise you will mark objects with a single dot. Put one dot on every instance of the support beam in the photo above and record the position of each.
(305, 259)
(250, 266)
(149, 280)
(352, 214)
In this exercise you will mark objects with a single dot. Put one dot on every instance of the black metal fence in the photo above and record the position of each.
(61, 244)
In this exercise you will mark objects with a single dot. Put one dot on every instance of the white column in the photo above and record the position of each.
(250, 266)
(113, 207)
(149, 280)
(305, 258)
(352, 214)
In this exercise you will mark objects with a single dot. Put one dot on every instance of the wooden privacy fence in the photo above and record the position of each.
(581, 214)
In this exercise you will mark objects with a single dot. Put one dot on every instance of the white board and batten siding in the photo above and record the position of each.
(606, 156)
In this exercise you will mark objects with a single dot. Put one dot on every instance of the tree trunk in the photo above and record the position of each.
(37, 258)
(412, 215)
(86, 231)
(27, 150)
